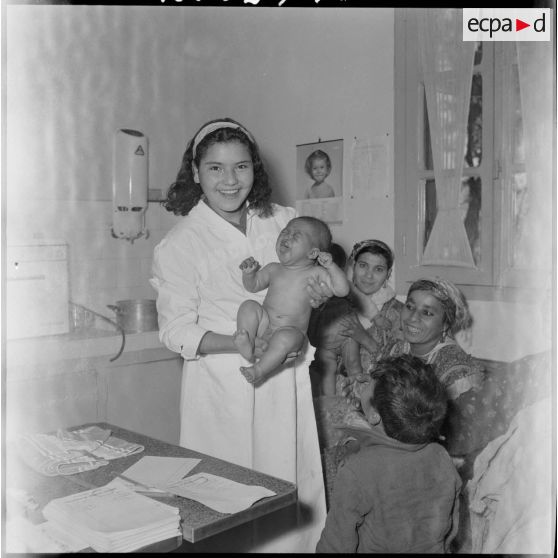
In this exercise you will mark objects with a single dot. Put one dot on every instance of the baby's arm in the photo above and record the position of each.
(339, 283)
(350, 354)
(254, 277)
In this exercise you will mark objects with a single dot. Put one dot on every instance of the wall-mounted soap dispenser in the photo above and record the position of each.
(129, 184)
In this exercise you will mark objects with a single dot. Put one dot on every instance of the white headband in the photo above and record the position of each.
(216, 126)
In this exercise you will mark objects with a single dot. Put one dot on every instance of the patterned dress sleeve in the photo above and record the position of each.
(457, 370)
(385, 330)
(461, 374)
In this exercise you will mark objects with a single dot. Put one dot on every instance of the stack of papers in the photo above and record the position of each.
(114, 519)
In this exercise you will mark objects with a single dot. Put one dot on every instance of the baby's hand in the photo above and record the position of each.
(249, 265)
(325, 259)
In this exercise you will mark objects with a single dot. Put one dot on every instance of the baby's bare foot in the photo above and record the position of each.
(252, 374)
(242, 342)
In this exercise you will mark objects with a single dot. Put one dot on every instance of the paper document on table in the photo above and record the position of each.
(158, 471)
(218, 493)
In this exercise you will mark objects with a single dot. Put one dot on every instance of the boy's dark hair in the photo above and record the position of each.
(185, 193)
(410, 399)
(322, 230)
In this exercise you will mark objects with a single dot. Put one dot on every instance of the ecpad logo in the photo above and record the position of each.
(507, 24)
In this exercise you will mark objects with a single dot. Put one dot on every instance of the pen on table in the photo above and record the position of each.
(148, 489)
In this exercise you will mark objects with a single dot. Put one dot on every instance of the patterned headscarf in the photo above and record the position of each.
(451, 298)
(377, 246)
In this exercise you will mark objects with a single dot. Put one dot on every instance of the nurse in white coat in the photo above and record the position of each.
(223, 193)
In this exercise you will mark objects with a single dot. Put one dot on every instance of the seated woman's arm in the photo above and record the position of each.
(352, 328)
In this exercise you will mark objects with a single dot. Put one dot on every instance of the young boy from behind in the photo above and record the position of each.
(398, 490)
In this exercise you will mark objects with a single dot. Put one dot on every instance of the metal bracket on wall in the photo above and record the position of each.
(154, 195)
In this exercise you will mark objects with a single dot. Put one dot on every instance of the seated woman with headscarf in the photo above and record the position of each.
(434, 312)
(375, 322)
(482, 402)
(350, 332)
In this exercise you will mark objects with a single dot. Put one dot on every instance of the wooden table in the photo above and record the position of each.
(198, 521)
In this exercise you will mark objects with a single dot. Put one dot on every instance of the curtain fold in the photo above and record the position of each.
(447, 64)
(535, 65)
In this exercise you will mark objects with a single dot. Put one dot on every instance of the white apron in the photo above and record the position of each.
(270, 428)
(273, 430)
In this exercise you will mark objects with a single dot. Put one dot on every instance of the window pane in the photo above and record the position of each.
(428, 164)
(430, 209)
(517, 146)
(478, 53)
(520, 206)
(470, 205)
(473, 142)
(473, 145)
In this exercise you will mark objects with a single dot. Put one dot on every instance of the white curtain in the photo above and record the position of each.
(447, 64)
(535, 65)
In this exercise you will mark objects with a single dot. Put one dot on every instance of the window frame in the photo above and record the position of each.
(493, 279)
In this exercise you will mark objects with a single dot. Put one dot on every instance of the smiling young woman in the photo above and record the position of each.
(222, 191)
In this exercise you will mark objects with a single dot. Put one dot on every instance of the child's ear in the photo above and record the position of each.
(313, 254)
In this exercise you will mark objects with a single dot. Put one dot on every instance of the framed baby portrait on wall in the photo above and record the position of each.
(319, 171)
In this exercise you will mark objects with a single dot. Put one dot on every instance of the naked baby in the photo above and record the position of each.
(282, 319)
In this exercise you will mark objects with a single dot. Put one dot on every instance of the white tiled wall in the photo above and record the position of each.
(76, 74)
(102, 269)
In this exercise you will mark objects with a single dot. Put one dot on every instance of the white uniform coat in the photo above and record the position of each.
(270, 428)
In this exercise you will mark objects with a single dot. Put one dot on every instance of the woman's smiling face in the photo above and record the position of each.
(226, 176)
(423, 321)
(370, 272)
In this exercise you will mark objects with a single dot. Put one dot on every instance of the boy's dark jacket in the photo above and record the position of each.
(391, 497)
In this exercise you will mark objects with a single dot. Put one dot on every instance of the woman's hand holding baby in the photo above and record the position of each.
(319, 292)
